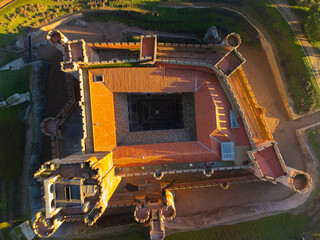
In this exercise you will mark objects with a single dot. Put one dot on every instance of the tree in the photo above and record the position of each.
(312, 24)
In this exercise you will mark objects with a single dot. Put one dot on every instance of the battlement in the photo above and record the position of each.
(75, 190)
(115, 45)
(139, 101)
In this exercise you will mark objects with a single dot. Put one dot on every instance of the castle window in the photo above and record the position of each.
(98, 78)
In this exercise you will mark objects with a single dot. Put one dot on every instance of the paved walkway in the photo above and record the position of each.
(295, 22)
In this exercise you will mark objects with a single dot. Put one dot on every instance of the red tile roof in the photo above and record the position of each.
(162, 153)
(211, 105)
(268, 162)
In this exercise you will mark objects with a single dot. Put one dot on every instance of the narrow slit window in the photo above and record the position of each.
(67, 192)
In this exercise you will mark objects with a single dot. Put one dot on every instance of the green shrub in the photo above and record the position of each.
(312, 25)
(303, 86)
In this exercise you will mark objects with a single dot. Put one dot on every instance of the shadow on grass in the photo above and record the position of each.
(181, 21)
(279, 227)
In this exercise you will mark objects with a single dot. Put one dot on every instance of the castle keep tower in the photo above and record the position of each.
(74, 190)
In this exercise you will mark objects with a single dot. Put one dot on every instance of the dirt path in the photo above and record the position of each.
(297, 26)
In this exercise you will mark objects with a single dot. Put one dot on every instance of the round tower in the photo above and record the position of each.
(48, 126)
(141, 214)
(45, 227)
(169, 211)
(297, 180)
(233, 40)
(57, 39)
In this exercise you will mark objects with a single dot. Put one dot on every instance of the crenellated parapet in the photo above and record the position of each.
(169, 210)
(184, 45)
(233, 144)
(248, 107)
(297, 180)
(141, 214)
(157, 212)
(233, 40)
(44, 171)
(44, 227)
(258, 110)
(240, 110)
(115, 45)
(107, 182)
(83, 111)
(57, 39)
(73, 66)
(148, 47)
(230, 62)
(74, 189)
(267, 162)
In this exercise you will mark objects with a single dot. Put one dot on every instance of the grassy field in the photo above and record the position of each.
(280, 227)
(302, 84)
(6, 57)
(132, 236)
(313, 135)
(314, 140)
(12, 143)
(192, 21)
(12, 129)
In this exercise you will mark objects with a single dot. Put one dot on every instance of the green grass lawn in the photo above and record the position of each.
(14, 82)
(192, 21)
(279, 227)
(131, 236)
(313, 137)
(3, 203)
(6, 57)
(302, 84)
(12, 130)
(314, 140)
(12, 139)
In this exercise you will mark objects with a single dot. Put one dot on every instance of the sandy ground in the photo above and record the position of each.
(282, 127)
(195, 201)
(262, 82)
(100, 31)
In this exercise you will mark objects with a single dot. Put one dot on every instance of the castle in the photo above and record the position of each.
(173, 116)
